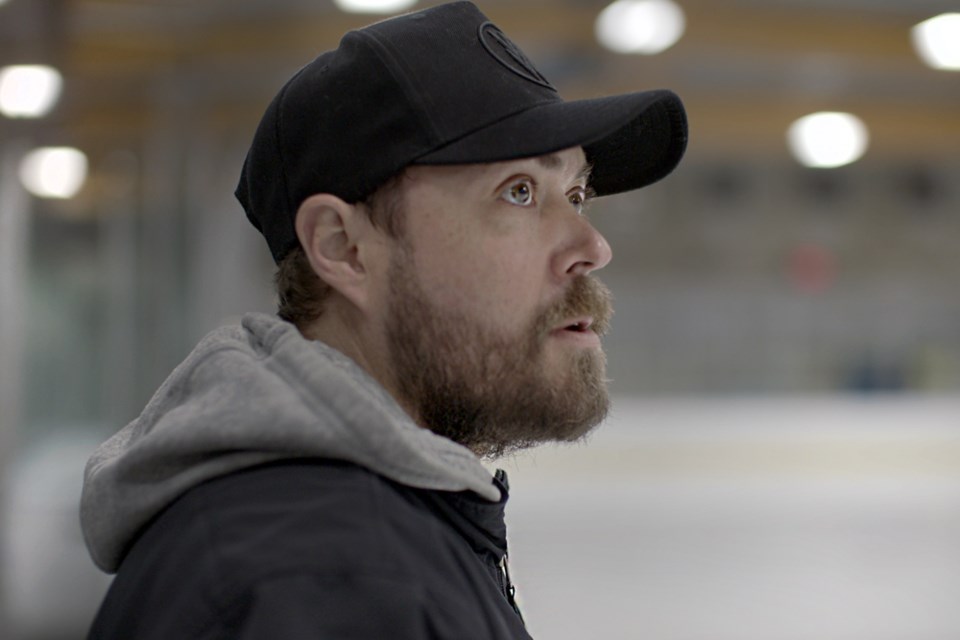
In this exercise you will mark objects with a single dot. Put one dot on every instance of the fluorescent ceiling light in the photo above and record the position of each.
(53, 172)
(937, 41)
(827, 139)
(374, 6)
(28, 91)
(640, 26)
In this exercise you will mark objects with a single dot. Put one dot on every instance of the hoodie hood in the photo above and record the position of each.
(253, 394)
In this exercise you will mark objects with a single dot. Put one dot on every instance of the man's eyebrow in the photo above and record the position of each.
(585, 171)
(553, 161)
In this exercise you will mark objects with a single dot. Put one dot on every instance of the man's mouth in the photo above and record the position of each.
(582, 315)
(579, 326)
(577, 331)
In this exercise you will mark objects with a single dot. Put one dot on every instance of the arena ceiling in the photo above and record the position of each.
(745, 68)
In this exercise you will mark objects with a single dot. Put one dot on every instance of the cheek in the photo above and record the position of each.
(502, 289)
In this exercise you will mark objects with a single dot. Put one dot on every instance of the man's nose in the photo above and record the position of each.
(588, 251)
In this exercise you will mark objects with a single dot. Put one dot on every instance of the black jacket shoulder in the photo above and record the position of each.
(314, 549)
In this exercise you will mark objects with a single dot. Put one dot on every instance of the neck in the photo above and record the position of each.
(353, 337)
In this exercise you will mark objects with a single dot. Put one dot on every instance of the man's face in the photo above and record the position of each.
(492, 320)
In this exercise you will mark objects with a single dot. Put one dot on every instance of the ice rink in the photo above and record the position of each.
(745, 519)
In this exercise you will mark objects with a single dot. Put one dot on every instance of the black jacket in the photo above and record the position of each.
(316, 550)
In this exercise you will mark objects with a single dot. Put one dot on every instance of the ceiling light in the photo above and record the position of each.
(374, 6)
(640, 26)
(937, 41)
(53, 172)
(28, 91)
(827, 139)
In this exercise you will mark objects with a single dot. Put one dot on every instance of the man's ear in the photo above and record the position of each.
(330, 231)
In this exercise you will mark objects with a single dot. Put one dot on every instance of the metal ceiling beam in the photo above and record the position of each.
(745, 68)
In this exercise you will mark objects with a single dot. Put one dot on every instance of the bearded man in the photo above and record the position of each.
(318, 474)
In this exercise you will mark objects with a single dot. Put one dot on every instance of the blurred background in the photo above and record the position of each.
(783, 461)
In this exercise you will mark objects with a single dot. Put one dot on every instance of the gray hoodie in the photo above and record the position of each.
(252, 394)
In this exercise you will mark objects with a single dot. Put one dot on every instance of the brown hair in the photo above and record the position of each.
(301, 293)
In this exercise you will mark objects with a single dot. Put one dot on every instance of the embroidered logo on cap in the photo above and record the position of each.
(509, 55)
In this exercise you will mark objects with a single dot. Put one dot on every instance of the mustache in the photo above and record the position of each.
(586, 296)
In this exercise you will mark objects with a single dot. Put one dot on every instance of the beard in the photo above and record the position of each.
(488, 391)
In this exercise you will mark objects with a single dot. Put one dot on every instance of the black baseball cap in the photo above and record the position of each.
(439, 86)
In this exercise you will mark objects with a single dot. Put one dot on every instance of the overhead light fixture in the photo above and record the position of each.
(937, 41)
(54, 172)
(640, 26)
(827, 139)
(28, 91)
(374, 6)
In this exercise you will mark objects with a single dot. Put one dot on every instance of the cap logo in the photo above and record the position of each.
(509, 55)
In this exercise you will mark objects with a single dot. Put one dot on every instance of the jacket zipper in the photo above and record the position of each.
(509, 591)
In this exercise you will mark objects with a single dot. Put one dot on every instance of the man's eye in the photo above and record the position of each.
(519, 193)
(578, 199)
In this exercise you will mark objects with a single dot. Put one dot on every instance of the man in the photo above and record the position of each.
(318, 475)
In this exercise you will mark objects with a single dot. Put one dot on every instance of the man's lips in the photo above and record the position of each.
(578, 331)
(581, 316)
(580, 325)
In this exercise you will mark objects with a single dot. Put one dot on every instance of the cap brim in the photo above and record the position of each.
(632, 140)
